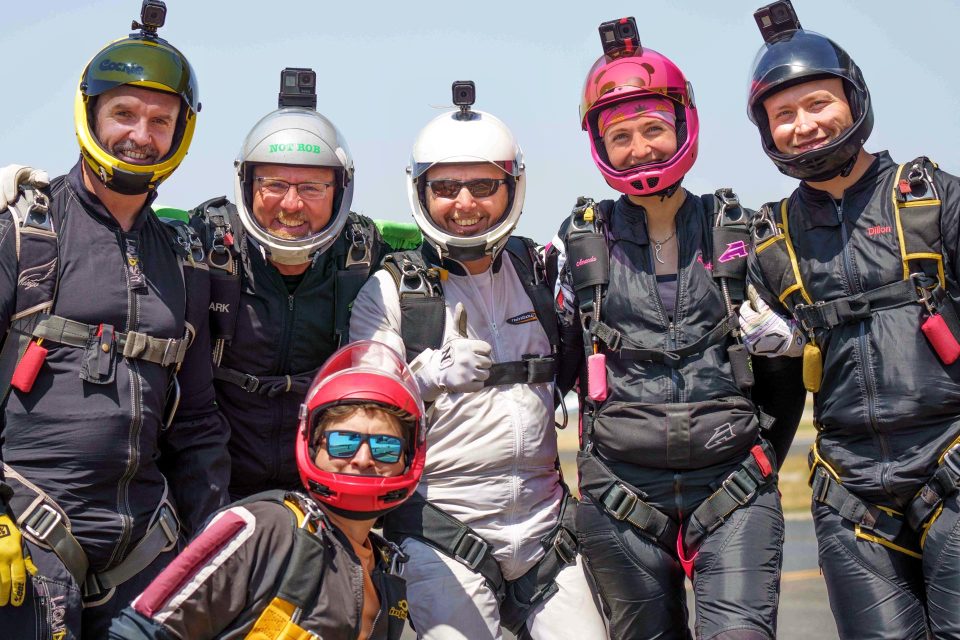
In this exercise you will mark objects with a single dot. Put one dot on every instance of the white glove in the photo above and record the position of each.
(765, 332)
(14, 175)
(460, 365)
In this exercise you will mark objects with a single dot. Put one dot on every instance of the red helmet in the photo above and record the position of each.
(362, 372)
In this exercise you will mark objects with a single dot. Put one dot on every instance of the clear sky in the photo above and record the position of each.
(384, 70)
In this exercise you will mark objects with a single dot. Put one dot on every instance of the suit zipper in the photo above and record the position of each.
(870, 383)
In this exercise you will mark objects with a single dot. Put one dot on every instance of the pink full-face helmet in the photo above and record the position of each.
(632, 74)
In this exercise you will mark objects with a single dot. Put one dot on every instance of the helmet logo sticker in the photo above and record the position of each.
(640, 82)
(123, 67)
(290, 146)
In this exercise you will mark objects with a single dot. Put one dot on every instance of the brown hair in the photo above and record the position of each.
(340, 412)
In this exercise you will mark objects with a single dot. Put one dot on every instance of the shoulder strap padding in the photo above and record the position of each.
(775, 255)
(422, 317)
(729, 239)
(528, 264)
(588, 254)
(917, 213)
(216, 221)
(355, 259)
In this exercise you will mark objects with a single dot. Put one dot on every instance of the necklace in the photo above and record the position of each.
(658, 245)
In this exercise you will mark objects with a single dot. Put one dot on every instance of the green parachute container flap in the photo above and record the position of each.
(401, 236)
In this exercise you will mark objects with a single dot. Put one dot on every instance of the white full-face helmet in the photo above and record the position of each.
(466, 136)
(295, 136)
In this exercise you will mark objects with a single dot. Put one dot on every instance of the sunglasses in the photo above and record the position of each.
(479, 188)
(345, 444)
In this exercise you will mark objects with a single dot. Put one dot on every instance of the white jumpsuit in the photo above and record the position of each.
(490, 463)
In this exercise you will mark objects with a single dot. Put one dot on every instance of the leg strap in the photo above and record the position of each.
(945, 481)
(737, 490)
(624, 503)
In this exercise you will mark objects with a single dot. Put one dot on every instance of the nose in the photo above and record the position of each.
(804, 123)
(291, 199)
(640, 150)
(140, 132)
(465, 199)
(363, 458)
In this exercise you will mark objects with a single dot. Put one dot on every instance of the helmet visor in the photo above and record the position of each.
(492, 191)
(797, 56)
(142, 64)
(628, 73)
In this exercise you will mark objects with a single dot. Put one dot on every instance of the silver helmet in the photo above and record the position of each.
(466, 136)
(294, 136)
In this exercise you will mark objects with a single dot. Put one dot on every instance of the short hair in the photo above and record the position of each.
(340, 412)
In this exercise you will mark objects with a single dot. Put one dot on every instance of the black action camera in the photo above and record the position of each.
(153, 14)
(776, 19)
(619, 36)
(464, 95)
(298, 88)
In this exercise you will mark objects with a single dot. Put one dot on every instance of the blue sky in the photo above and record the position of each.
(384, 70)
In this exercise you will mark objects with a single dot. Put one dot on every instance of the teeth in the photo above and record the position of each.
(290, 219)
(466, 222)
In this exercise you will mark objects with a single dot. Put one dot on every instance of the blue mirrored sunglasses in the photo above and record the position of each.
(345, 444)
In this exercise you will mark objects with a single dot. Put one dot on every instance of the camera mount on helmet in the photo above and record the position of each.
(298, 88)
(153, 14)
(776, 19)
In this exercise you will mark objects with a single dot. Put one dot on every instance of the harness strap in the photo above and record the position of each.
(419, 519)
(623, 503)
(349, 279)
(670, 357)
(737, 490)
(944, 482)
(827, 315)
(270, 386)
(530, 370)
(133, 344)
(47, 525)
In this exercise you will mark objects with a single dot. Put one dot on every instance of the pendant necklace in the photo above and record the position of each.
(658, 245)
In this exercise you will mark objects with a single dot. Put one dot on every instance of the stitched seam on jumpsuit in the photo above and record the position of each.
(954, 535)
(629, 529)
(846, 551)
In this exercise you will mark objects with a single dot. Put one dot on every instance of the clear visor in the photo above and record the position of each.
(139, 63)
(371, 358)
(631, 71)
(276, 198)
(796, 55)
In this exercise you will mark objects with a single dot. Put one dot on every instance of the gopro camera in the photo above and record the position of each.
(298, 88)
(153, 13)
(619, 36)
(776, 19)
(464, 95)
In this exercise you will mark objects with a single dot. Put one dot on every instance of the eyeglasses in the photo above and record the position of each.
(345, 444)
(479, 188)
(275, 188)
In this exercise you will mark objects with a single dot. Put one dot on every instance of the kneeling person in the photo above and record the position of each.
(296, 563)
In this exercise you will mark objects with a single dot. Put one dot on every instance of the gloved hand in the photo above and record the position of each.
(14, 175)
(766, 333)
(15, 562)
(459, 366)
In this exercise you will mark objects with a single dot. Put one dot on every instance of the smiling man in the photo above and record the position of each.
(105, 320)
(490, 534)
(286, 261)
(861, 261)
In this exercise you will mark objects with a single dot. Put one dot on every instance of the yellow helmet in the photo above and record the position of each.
(141, 60)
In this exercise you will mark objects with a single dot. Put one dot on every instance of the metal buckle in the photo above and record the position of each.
(473, 555)
(728, 200)
(410, 273)
(358, 244)
(250, 383)
(949, 459)
(566, 546)
(167, 359)
(625, 504)
(50, 519)
(742, 494)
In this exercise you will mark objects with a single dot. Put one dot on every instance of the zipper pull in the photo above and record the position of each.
(290, 302)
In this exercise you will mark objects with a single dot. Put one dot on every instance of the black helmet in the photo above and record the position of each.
(800, 56)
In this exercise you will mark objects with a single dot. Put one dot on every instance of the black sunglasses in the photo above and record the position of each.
(479, 188)
(345, 444)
